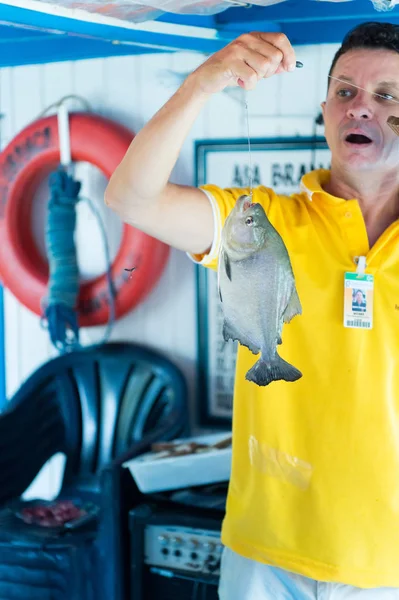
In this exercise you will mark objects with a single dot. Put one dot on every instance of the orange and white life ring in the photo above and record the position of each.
(24, 163)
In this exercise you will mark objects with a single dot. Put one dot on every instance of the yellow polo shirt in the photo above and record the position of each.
(314, 485)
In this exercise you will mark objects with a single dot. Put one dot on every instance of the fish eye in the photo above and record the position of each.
(249, 221)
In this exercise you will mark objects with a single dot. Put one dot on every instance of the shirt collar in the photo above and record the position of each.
(313, 182)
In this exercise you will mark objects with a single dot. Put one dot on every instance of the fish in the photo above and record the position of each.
(257, 290)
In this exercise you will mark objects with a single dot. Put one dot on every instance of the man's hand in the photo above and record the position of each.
(139, 189)
(246, 60)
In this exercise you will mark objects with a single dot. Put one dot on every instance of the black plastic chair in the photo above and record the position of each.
(100, 406)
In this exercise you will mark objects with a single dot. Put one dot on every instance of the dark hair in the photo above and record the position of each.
(369, 35)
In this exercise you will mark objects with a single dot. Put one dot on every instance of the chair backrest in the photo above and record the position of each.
(99, 404)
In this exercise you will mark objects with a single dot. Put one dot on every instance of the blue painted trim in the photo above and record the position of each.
(207, 21)
(203, 147)
(63, 48)
(3, 396)
(305, 11)
(307, 21)
(9, 33)
(175, 38)
(304, 22)
(325, 32)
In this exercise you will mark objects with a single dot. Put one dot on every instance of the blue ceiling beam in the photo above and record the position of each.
(325, 32)
(207, 21)
(30, 37)
(303, 21)
(160, 36)
(11, 34)
(305, 11)
(59, 48)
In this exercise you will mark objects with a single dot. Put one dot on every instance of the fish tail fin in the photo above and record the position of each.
(263, 373)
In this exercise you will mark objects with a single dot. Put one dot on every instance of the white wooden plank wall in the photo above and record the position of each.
(130, 90)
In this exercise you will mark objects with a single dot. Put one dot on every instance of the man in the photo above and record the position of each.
(358, 302)
(313, 502)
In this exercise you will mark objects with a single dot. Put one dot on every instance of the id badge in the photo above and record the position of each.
(358, 300)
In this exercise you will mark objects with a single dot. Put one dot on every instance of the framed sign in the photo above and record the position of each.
(276, 163)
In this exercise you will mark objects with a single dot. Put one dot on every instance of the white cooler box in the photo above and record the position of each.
(159, 471)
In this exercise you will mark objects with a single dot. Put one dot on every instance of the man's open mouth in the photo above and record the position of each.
(358, 138)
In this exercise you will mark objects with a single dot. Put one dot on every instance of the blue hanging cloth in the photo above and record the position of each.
(61, 303)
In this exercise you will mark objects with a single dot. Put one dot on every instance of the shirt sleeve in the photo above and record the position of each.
(222, 201)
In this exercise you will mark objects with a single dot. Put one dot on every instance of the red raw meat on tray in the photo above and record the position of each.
(55, 514)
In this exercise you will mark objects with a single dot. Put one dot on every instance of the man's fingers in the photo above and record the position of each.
(280, 41)
(246, 60)
(264, 58)
(264, 65)
(245, 76)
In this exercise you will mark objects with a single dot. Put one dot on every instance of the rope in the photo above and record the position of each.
(60, 315)
(62, 100)
(60, 312)
(111, 287)
(64, 274)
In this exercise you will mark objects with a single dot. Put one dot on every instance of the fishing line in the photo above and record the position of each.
(393, 125)
(392, 121)
(249, 147)
(364, 90)
(298, 65)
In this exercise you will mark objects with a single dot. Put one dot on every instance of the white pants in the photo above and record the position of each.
(243, 579)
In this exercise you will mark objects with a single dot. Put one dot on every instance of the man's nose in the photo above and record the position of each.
(360, 107)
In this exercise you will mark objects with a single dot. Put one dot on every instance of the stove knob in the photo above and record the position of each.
(176, 541)
(213, 565)
(209, 546)
(193, 544)
(163, 540)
